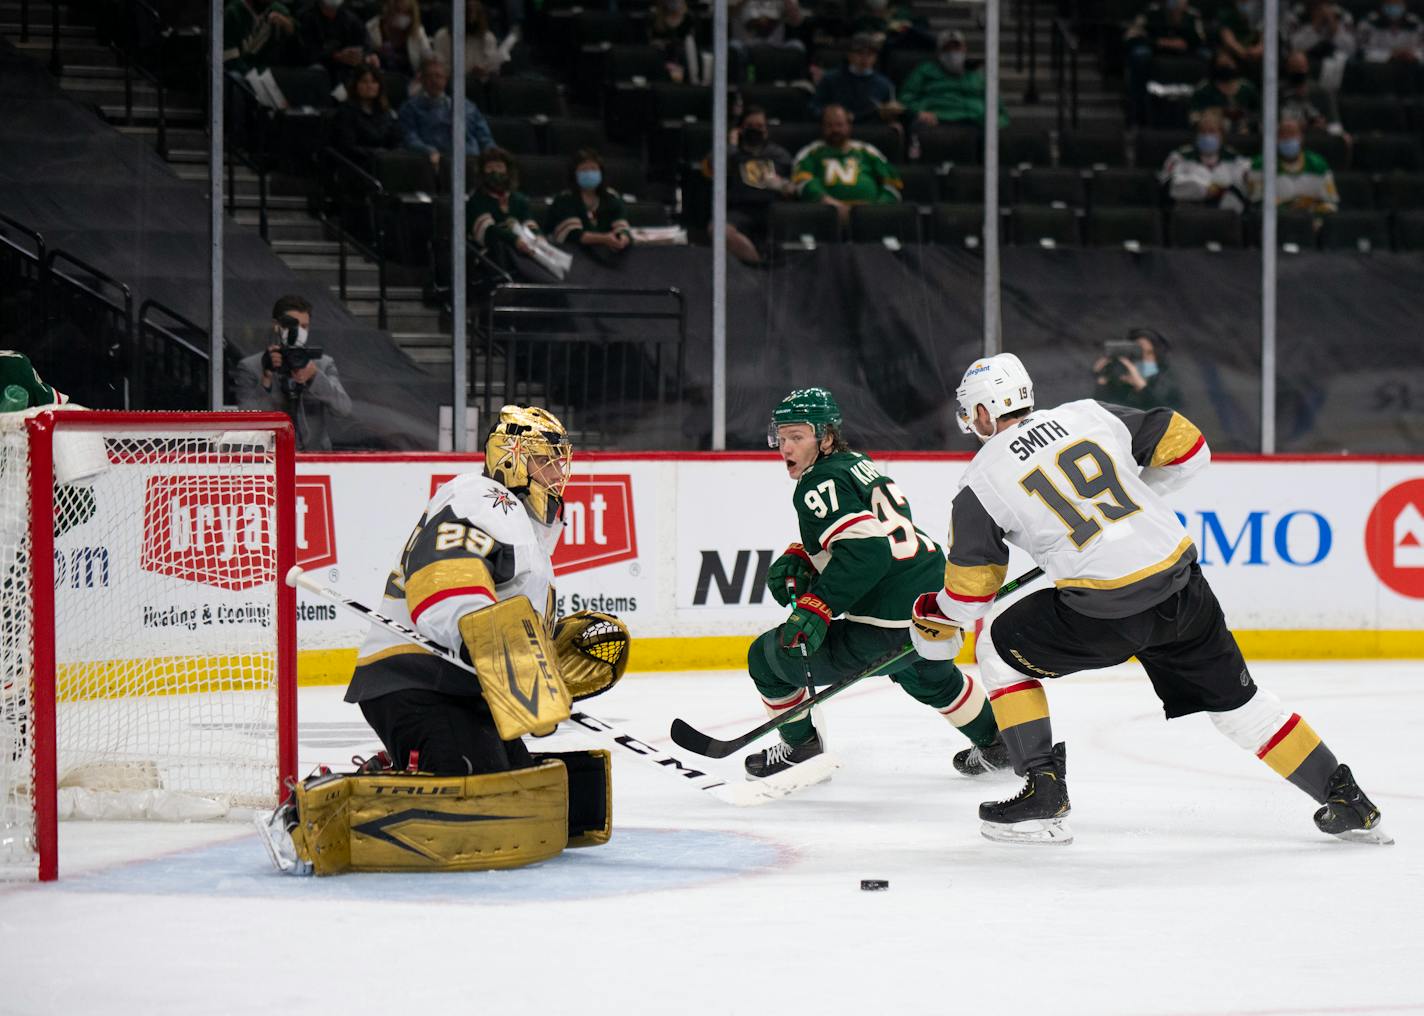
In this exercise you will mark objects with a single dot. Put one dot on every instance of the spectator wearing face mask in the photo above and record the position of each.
(497, 208)
(1392, 34)
(892, 25)
(398, 38)
(945, 90)
(335, 38)
(758, 176)
(1304, 182)
(1141, 381)
(1238, 31)
(589, 213)
(765, 23)
(1165, 28)
(1304, 100)
(857, 86)
(1229, 95)
(673, 30)
(1207, 171)
(483, 57)
(1325, 32)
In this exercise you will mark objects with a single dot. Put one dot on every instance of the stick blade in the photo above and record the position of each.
(686, 736)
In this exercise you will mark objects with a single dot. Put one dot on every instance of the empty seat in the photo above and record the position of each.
(795, 136)
(543, 175)
(789, 222)
(624, 175)
(1177, 70)
(950, 143)
(1125, 188)
(682, 102)
(1409, 230)
(965, 185)
(603, 26)
(886, 139)
(1333, 148)
(514, 134)
(874, 223)
(921, 184)
(1024, 146)
(1248, 145)
(1064, 188)
(397, 87)
(528, 97)
(773, 64)
(1205, 227)
(1401, 191)
(308, 86)
(1373, 113)
(1031, 225)
(1362, 78)
(696, 141)
(647, 213)
(898, 63)
(1153, 146)
(564, 137)
(781, 102)
(1296, 228)
(1357, 190)
(1364, 231)
(957, 224)
(1383, 153)
(1114, 227)
(626, 62)
(403, 172)
(1089, 148)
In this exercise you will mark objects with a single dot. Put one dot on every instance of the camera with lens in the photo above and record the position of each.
(1114, 350)
(294, 357)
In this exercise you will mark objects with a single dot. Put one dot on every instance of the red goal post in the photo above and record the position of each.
(149, 639)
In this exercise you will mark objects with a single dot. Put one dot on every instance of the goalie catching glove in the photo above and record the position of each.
(592, 650)
(934, 635)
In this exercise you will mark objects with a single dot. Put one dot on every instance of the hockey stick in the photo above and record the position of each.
(685, 735)
(611, 735)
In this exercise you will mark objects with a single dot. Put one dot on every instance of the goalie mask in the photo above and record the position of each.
(998, 383)
(529, 452)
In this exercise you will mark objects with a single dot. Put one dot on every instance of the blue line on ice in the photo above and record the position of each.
(633, 861)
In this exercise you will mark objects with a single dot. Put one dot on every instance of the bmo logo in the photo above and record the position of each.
(598, 524)
(1394, 538)
(316, 522)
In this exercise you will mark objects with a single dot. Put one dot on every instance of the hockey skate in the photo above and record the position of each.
(1348, 814)
(989, 758)
(1035, 814)
(276, 830)
(783, 769)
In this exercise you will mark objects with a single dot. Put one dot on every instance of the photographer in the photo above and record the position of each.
(294, 378)
(1134, 373)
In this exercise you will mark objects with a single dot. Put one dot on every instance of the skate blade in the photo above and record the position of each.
(1051, 832)
(1376, 836)
(285, 862)
(771, 788)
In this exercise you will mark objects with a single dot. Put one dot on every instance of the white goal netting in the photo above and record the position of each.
(163, 613)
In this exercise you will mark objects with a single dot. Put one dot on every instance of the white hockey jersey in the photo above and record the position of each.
(1077, 487)
(475, 544)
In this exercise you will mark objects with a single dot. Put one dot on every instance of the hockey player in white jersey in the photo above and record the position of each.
(1078, 488)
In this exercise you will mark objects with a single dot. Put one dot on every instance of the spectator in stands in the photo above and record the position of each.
(945, 90)
(483, 57)
(1142, 381)
(497, 212)
(365, 123)
(1238, 27)
(1325, 33)
(892, 26)
(765, 23)
(1165, 28)
(1304, 182)
(1392, 34)
(1302, 99)
(258, 34)
(673, 30)
(398, 37)
(758, 176)
(426, 117)
(1207, 171)
(285, 379)
(335, 38)
(841, 172)
(863, 91)
(1234, 99)
(589, 213)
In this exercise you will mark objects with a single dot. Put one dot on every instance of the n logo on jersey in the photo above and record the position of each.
(599, 528)
(846, 171)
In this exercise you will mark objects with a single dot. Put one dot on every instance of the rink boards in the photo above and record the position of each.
(1311, 557)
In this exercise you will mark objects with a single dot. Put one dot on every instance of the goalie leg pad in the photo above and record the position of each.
(416, 822)
(590, 794)
(518, 669)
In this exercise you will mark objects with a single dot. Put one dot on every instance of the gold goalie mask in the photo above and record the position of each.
(529, 452)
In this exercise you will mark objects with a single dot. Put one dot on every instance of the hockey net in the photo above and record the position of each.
(147, 651)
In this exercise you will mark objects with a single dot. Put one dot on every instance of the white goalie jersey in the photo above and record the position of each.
(1077, 487)
(474, 545)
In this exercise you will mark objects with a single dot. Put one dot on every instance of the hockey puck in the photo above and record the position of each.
(874, 884)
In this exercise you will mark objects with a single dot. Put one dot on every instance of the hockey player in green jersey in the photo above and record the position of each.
(861, 562)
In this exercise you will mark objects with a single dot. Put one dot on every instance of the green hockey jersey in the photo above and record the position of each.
(15, 369)
(856, 524)
(858, 173)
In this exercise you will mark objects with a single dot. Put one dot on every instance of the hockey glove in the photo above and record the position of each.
(790, 575)
(807, 625)
(934, 635)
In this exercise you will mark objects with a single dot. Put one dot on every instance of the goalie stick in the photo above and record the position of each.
(625, 743)
(685, 735)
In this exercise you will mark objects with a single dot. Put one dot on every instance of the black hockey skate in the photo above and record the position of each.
(989, 758)
(781, 757)
(1035, 814)
(1348, 813)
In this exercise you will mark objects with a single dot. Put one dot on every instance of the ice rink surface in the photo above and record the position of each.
(1197, 883)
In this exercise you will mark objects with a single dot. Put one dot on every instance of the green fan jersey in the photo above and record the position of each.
(858, 173)
(857, 527)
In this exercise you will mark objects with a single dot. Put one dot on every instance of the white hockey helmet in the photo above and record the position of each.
(998, 383)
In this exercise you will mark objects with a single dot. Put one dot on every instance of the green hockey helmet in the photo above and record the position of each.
(816, 406)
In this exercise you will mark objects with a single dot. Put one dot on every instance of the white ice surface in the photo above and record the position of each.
(1197, 883)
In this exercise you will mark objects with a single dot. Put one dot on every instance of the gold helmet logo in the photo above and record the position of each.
(528, 451)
